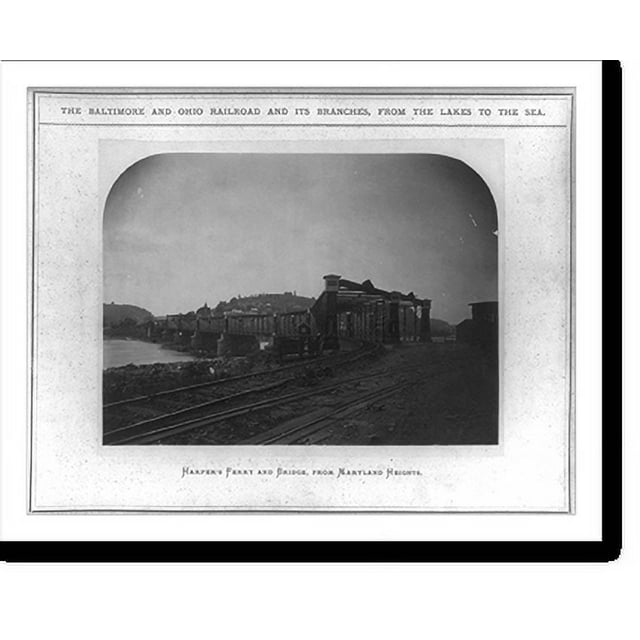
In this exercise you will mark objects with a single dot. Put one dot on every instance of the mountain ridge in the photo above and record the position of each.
(115, 314)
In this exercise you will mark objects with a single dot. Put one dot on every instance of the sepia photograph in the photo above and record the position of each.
(402, 277)
(300, 299)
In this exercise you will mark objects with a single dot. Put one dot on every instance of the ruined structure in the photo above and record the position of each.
(482, 328)
(344, 310)
(348, 309)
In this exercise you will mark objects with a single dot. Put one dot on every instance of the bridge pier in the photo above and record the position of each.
(349, 324)
(425, 321)
(331, 287)
(393, 329)
(230, 344)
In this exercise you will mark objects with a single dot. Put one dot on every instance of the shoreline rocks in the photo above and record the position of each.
(119, 383)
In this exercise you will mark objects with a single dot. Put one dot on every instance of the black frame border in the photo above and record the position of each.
(605, 550)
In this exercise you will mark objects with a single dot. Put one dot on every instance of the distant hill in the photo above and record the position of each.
(115, 314)
(440, 328)
(265, 303)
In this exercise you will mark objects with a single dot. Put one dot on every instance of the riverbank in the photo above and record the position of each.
(129, 381)
(118, 352)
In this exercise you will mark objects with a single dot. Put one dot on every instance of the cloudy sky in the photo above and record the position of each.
(182, 229)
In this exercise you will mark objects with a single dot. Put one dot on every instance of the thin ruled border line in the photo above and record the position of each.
(371, 92)
(472, 93)
(278, 124)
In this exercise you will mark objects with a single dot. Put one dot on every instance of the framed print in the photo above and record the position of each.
(328, 311)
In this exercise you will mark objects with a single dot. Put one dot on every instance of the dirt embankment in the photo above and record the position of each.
(454, 400)
(133, 380)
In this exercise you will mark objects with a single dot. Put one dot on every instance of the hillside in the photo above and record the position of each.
(115, 314)
(265, 303)
(440, 328)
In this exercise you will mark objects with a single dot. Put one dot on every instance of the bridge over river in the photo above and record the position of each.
(345, 310)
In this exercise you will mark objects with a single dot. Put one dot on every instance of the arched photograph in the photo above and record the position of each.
(300, 299)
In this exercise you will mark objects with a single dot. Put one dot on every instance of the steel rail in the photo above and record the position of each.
(361, 352)
(329, 417)
(209, 403)
(345, 407)
(129, 433)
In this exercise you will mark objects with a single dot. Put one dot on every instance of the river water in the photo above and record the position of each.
(118, 353)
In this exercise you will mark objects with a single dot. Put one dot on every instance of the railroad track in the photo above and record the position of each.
(303, 428)
(154, 429)
(164, 426)
(312, 429)
(337, 359)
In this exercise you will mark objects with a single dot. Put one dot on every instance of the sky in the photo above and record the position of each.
(182, 229)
